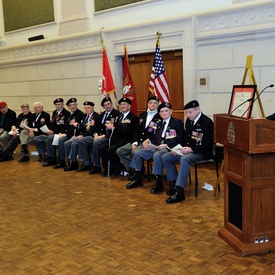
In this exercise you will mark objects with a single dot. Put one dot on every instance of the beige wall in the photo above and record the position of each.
(215, 45)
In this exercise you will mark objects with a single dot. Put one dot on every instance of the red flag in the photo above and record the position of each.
(158, 82)
(108, 85)
(128, 84)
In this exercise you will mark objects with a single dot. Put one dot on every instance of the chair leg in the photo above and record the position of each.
(217, 186)
(196, 181)
(149, 170)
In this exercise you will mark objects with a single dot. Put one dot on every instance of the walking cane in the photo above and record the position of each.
(109, 162)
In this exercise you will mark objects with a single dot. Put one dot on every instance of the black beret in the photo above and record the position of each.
(153, 98)
(105, 99)
(58, 100)
(125, 99)
(71, 100)
(163, 105)
(88, 103)
(191, 104)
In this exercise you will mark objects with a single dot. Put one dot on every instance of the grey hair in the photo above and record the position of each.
(36, 103)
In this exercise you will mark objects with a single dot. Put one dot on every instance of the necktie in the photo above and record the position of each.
(104, 117)
(121, 117)
(86, 119)
(158, 138)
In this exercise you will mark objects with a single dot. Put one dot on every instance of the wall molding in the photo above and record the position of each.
(236, 20)
(70, 47)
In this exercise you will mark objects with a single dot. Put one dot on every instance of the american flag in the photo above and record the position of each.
(158, 82)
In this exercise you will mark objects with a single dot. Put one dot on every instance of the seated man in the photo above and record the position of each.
(169, 133)
(75, 116)
(120, 133)
(40, 119)
(59, 118)
(100, 136)
(146, 129)
(85, 130)
(12, 140)
(196, 147)
(7, 119)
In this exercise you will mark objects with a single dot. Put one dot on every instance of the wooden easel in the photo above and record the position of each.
(248, 70)
(252, 80)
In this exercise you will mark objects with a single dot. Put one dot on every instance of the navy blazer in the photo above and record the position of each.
(87, 128)
(9, 120)
(39, 121)
(124, 130)
(100, 126)
(58, 122)
(200, 136)
(70, 130)
(174, 135)
(26, 119)
(141, 133)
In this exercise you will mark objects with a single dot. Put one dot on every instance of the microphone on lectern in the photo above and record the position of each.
(248, 100)
(269, 86)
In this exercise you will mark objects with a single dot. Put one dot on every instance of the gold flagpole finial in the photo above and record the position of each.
(159, 35)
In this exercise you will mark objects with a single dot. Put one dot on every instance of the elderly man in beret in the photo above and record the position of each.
(84, 130)
(147, 123)
(196, 147)
(7, 119)
(107, 117)
(119, 133)
(169, 133)
(75, 116)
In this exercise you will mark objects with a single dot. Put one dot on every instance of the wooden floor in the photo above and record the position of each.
(56, 222)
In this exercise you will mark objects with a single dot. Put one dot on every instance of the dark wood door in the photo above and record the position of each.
(140, 68)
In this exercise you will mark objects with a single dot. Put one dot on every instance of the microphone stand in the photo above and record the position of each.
(248, 100)
(269, 86)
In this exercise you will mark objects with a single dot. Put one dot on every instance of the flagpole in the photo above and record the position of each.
(158, 84)
(103, 48)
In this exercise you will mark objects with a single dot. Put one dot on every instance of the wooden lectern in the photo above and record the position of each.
(249, 183)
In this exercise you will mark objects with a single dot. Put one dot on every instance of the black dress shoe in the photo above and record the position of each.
(71, 167)
(46, 158)
(104, 174)
(172, 188)
(177, 197)
(171, 191)
(50, 162)
(84, 168)
(158, 188)
(131, 176)
(6, 158)
(95, 170)
(60, 164)
(134, 184)
(40, 157)
(24, 159)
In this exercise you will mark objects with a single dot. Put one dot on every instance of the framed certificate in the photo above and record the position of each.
(242, 99)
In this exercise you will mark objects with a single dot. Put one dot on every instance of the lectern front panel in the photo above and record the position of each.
(235, 205)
